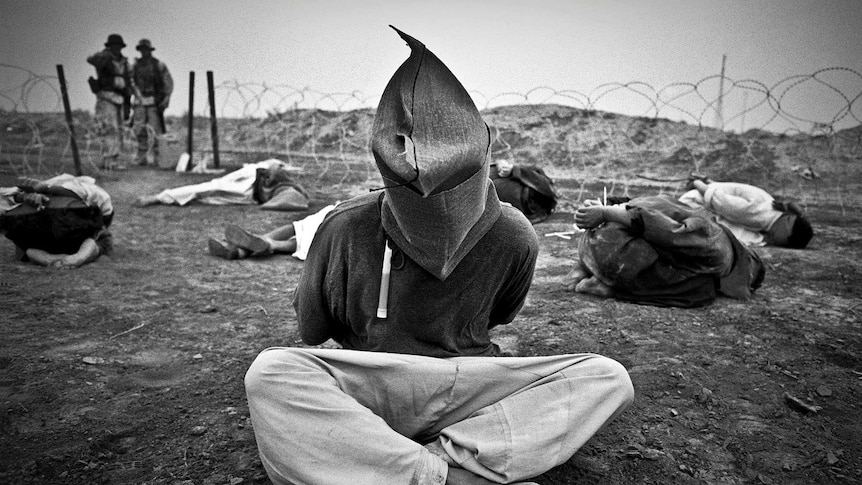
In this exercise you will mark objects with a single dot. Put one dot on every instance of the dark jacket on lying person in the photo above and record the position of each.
(669, 255)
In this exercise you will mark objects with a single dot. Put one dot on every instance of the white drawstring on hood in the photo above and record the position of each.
(383, 300)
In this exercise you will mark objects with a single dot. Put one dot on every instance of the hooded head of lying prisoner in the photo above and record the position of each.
(432, 149)
(792, 229)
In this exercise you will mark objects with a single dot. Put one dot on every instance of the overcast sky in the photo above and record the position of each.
(493, 47)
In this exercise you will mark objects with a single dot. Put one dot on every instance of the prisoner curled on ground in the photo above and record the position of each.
(754, 216)
(656, 251)
(294, 239)
(526, 187)
(60, 222)
(409, 281)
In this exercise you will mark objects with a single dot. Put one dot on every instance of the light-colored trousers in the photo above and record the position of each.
(333, 416)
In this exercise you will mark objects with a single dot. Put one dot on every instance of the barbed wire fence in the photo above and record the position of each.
(34, 136)
(584, 135)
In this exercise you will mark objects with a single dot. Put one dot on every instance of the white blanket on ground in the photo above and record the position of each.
(235, 188)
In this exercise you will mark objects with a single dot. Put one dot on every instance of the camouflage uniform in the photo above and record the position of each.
(154, 83)
(113, 90)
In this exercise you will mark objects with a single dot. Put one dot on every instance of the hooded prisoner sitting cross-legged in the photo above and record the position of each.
(409, 281)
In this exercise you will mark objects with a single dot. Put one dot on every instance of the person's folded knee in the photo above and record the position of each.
(253, 381)
(255, 376)
(272, 366)
(625, 387)
(614, 374)
(622, 383)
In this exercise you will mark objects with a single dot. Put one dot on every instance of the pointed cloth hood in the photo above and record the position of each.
(433, 151)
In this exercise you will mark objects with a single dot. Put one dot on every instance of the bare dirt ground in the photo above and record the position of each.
(130, 370)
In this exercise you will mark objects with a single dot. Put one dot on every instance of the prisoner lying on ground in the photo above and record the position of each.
(755, 217)
(60, 222)
(656, 251)
(526, 187)
(409, 281)
(268, 183)
(294, 238)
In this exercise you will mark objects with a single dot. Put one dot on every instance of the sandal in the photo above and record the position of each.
(241, 238)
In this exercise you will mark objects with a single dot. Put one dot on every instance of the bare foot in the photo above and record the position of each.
(43, 258)
(73, 261)
(571, 280)
(592, 286)
(146, 200)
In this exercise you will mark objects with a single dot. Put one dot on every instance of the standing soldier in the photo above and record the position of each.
(154, 85)
(112, 88)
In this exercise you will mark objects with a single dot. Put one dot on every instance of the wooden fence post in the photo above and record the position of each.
(190, 140)
(213, 125)
(75, 157)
